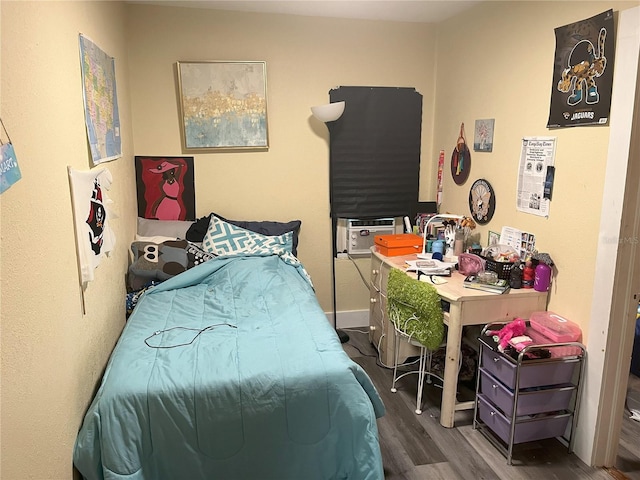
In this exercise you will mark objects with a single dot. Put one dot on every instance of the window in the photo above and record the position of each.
(375, 152)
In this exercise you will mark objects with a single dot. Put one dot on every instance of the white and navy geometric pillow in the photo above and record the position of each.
(223, 238)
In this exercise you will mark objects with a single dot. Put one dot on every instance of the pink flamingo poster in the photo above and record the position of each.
(165, 188)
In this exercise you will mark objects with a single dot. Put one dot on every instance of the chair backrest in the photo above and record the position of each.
(414, 307)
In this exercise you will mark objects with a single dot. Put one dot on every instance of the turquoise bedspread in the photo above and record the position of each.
(260, 388)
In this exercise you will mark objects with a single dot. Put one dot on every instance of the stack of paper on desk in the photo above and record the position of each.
(430, 267)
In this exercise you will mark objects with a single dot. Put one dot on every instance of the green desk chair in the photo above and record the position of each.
(415, 310)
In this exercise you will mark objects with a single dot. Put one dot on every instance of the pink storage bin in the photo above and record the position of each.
(556, 328)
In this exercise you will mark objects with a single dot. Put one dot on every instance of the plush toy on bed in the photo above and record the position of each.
(511, 334)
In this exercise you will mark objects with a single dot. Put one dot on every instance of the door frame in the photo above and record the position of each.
(617, 275)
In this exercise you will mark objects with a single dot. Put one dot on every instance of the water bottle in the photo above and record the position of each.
(542, 277)
(438, 247)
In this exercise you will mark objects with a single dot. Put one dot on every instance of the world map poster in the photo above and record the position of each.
(100, 102)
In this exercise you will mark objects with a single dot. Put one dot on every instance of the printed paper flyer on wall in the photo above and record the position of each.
(537, 155)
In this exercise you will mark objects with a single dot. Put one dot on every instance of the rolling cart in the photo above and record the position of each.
(532, 395)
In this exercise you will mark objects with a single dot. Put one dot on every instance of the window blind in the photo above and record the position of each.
(375, 152)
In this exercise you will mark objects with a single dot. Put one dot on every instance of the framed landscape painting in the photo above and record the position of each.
(223, 105)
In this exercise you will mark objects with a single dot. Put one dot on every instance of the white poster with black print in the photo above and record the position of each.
(91, 214)
(583, 72)
(537, 160)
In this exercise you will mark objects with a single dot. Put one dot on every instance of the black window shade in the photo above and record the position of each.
(375, 152)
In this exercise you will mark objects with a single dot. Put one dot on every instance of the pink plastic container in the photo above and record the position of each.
(554, 327)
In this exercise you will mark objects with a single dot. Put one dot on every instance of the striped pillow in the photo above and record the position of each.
(223, 238)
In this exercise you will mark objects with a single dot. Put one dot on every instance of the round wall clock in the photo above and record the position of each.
(482, 201)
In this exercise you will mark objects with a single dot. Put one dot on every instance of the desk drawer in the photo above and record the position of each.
(531, 375)
(379, 275)
(527, 429)
(376, 320)
(529, 402)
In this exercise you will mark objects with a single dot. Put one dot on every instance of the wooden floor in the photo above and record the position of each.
(416, 447)
(628, 460)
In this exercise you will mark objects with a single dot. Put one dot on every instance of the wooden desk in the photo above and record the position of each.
(467, 307)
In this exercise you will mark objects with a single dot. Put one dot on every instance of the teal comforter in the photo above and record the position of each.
(231, 371)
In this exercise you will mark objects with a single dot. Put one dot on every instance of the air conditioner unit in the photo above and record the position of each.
(360, 233)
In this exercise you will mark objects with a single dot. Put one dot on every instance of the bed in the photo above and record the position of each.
(230, 370)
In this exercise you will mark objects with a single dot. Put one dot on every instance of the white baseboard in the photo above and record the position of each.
(350, 319)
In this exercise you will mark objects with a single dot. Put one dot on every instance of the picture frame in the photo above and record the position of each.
(223, 105)
(165, 188)
(494, 238)
(483, 135)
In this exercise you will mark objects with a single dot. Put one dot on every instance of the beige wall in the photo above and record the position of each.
(513, 48)
(515, 57)
(306, 57)
(52, 354)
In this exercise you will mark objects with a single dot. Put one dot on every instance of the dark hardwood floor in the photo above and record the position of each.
(417, 447)
(628, 460)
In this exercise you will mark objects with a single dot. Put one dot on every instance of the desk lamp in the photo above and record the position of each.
(441, 216)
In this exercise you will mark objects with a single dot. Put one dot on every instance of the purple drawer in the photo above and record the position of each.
(527, 429)
(538, 374)
(530, 401)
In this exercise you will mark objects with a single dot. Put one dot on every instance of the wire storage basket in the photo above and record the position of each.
(500, 259)
(503, 269)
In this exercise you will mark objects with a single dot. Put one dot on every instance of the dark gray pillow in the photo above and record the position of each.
(198, 230)
(161, 261)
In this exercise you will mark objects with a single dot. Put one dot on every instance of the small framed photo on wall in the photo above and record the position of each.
(483, 135)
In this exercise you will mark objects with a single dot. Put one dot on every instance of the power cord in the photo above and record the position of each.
(362, 277)
(199, 332)
(379, 361)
